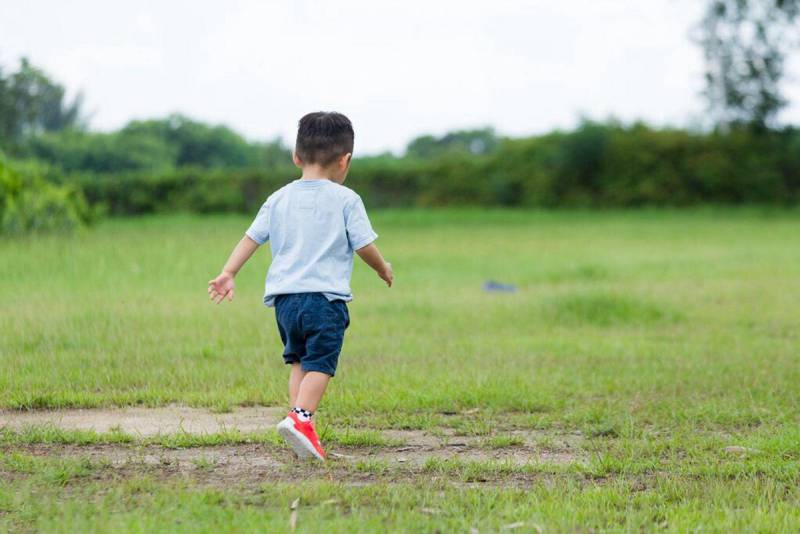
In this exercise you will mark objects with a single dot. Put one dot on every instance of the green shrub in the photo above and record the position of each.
(185, 189)
(596, 165)
(29, 203)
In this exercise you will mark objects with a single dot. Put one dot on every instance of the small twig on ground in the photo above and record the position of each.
(293, 515)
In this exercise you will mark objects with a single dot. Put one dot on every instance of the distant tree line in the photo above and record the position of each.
(55, 173)
(605, 164)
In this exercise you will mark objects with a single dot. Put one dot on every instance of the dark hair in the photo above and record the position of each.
(324, 136)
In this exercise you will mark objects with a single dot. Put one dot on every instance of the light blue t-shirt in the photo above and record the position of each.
(313, 227)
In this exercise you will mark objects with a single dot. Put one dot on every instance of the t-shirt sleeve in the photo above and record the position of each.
(359, 230)
(259, 229)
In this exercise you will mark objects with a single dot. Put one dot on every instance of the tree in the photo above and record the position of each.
(196, 143)
(31, 103)
(745, 43)
(480, 141)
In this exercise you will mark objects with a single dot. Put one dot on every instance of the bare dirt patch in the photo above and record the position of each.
(418, 446)
(246, 466)
(252, 463)
(146, 422)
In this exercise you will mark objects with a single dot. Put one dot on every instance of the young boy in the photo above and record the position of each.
(313, 224)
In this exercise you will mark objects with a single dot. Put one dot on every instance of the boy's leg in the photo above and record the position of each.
(312, 387)
(297, 428)
(324, 324)
(295, 377)
(322, 328)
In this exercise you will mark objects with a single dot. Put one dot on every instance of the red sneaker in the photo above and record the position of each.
(301, 436)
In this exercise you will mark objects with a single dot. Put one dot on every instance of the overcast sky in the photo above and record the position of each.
(397, 68)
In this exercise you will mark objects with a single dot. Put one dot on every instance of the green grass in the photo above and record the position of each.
(502, 441)
(689, 310)
(662, 337)
(145, 504)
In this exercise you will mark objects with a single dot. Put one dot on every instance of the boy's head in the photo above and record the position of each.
(325, 140)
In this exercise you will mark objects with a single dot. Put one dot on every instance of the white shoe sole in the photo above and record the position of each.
(300, 444)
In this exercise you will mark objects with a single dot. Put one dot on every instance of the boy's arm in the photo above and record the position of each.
(372, 257)
(222, 286)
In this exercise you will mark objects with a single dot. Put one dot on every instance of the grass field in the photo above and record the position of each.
(656, 351)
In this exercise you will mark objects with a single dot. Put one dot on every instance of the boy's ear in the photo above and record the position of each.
(345, 160)
(296, 159)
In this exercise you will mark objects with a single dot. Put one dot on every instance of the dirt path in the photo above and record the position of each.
(246, 466)
(251, 463)
(146, 422)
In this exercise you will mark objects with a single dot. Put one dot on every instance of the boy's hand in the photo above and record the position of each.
(221, 287)
(387, 275)
(372, 257)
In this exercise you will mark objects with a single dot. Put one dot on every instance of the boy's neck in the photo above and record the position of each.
(315, 172)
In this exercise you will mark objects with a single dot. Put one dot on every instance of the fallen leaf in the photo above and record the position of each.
(430, 511)
(512, 526)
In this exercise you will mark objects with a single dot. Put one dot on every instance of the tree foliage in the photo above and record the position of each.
(481, 141)
(153, 145)
(745, 43)
(30, 203)
(176, 163)
(595, 165)
(32, 103)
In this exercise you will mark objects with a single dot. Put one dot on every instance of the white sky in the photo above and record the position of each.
(397, 68)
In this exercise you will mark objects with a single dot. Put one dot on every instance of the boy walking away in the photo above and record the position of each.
(313, 224)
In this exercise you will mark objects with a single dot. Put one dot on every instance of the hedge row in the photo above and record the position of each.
(29, 203)
(597, 165)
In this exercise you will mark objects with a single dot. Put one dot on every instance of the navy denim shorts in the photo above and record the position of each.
(312, 330)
